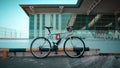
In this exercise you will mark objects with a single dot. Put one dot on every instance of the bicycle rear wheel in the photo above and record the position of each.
(40, 47)
(74, 47)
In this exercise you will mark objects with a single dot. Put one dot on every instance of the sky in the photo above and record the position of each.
(13, 16)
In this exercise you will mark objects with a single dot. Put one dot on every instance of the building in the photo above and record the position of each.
(39, 21)
(84, 15)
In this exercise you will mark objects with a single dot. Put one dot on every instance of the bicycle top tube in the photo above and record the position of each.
(69, 30)
(59, 33)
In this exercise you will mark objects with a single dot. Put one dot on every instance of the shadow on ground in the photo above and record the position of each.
(62, 62)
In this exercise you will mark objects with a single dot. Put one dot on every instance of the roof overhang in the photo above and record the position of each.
(81, 7)
(48, 8)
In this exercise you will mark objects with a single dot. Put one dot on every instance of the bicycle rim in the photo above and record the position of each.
(40, 47)
(74, 47)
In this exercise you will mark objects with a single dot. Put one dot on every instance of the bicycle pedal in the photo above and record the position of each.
(56, 52)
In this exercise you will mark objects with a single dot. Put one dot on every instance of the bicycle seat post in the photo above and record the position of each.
(48, 29)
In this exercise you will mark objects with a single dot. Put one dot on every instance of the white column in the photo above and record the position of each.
(54, 22)
(47, 22)
(60, 23)
(47, 19)
(35, 25)
(41, 21)
(39, 25)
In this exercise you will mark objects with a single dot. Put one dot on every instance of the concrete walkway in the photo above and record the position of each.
(62, 62)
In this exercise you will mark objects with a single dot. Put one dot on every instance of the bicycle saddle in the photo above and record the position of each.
(48, 27)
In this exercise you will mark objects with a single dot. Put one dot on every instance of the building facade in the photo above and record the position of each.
(59, 22)
(84, 15)
(39, 21)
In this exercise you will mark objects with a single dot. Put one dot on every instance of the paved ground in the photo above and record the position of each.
(62, 62)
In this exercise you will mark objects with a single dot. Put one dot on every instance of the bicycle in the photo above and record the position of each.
(73, 47)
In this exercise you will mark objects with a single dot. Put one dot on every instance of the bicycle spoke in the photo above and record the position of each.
(43, 47)
(77, 46)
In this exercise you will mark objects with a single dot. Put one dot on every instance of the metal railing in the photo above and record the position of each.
(103, 34)
(100, 34)
(7, 33)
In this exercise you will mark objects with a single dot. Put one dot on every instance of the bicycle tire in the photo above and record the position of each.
(71, 47)
(40, 47)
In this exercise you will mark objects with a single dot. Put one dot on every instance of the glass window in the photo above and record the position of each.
(38, 23)
(65, 20)
(57, 21)
(51, 20)
(43, 25)
(31, 26)
(94, 22)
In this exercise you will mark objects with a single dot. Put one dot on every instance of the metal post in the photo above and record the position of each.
(5, 34)
(11, 34)
(15, 34)
(20, 34)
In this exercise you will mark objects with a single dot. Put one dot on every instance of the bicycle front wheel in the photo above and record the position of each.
(74, 47)
(40, 47)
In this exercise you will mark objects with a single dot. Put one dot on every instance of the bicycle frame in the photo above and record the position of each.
(50, 37)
